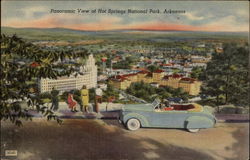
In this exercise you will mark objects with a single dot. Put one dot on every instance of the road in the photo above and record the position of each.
(91, 139)
(113, 113)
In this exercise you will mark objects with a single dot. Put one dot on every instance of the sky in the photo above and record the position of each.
(220, 16)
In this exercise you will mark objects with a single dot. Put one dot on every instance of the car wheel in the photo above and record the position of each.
(193, 130)
(133, 124)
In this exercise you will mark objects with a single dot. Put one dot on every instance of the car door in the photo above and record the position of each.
(169, 119)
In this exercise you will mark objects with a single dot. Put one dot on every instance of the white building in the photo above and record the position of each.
(65, 83)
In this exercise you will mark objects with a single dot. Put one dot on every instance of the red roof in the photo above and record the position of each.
(177, 76)
(188, 79)
(166, 77)
(129, 75)
(158, 71)
(169, 64)
(119, 78)
(143, 72)
(173, 76)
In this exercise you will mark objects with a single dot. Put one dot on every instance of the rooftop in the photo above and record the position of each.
(159, 71)
(173, 76)
(187, 79)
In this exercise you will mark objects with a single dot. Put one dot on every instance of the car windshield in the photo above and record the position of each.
(156, 102)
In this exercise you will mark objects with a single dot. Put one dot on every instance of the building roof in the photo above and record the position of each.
(177, 76)
(169, 64)
(143, 72)
(129, 75)
(119, 78)
(159, 71)
(173, 76)
(187, 79)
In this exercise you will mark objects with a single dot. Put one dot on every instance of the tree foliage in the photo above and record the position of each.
(124, 64)
(227, 76)
(152, 68)
(22, 62)
(110, 92)
(198, 73)
(149, 93)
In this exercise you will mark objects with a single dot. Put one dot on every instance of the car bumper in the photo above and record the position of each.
(120, 119)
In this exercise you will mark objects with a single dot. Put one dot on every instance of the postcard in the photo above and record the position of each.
(124, 80)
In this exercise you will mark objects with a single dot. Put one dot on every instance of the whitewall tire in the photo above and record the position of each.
(133, 124)
(193, 130)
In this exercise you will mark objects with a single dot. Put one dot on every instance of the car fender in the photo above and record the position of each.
(141, 118)
(198, 122)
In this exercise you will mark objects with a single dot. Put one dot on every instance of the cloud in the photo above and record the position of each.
(44, 22)
(67, 21)
(113, 22)
(243, 13)
(230, 23)
(154, 25)
(200, 16)
(193, 16)
(30, 11)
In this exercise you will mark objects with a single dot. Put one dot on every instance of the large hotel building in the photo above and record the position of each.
(67, 83)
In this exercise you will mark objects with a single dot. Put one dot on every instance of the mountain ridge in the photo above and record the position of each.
(114, 30)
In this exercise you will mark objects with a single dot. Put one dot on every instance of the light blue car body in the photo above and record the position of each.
(148, 116)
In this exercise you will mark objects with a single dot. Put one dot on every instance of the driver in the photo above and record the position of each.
(166, 105)
(162, 106)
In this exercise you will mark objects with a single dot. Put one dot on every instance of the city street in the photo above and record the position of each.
(80, 139)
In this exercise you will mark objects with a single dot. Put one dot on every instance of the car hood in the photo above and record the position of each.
(138, 107)
(208, 110)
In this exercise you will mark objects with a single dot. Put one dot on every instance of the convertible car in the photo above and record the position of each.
(192, 117)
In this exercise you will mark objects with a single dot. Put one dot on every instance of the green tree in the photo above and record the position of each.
(227, 75)
(149, 93)
(20, 63)
(152, 68)
(92, 95)
(110, 92)
(198, 73)
(124, 64)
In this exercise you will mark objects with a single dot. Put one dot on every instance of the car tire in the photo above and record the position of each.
(133, 124)
(193, 130)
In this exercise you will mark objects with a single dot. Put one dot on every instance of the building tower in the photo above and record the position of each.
(87, 77)
(104, 59)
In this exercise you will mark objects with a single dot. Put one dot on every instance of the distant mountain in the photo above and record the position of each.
(47, 33)
(108, 31)
(63, 30)
(71, 34)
